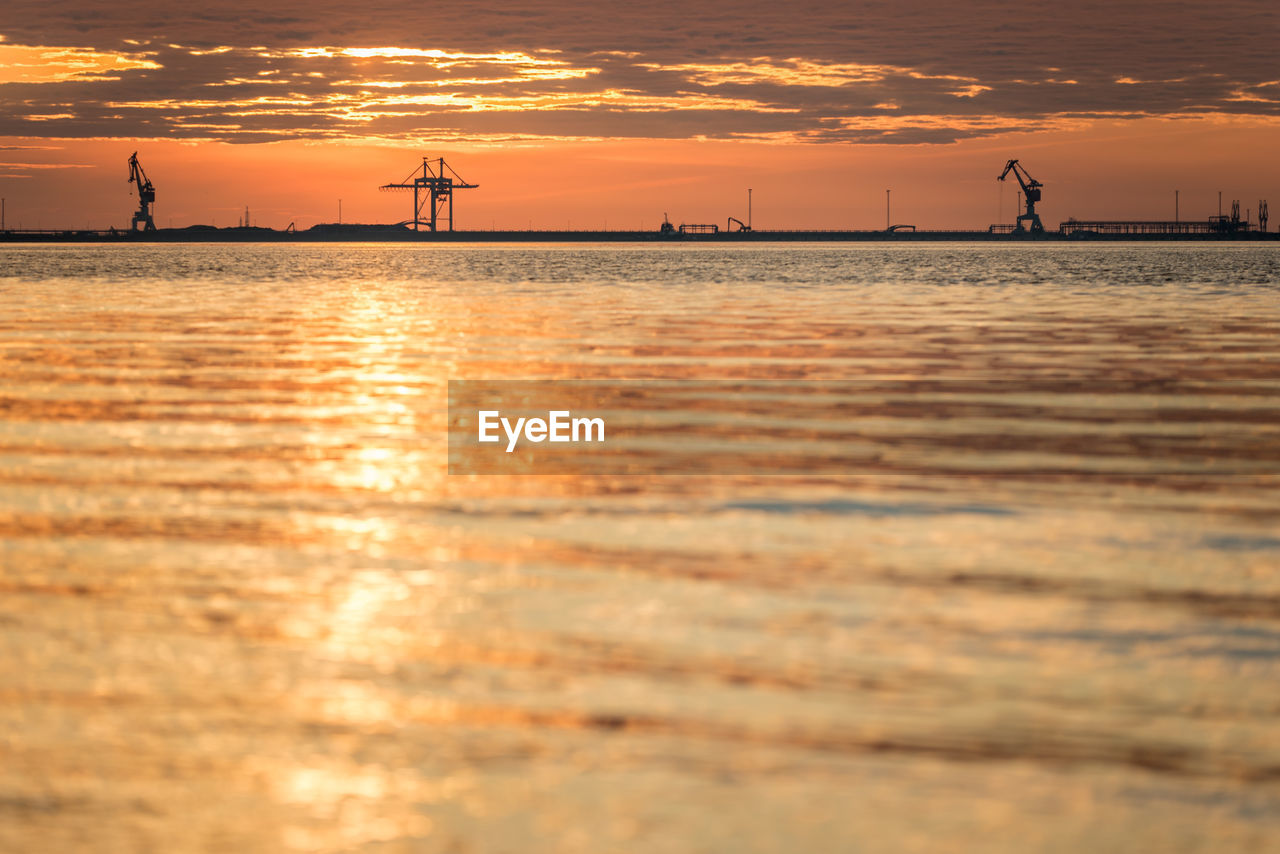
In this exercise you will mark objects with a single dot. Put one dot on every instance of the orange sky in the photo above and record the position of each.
(612, 114)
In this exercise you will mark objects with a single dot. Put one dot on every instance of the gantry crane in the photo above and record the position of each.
(432, 187)
(146, 195)
(1030, 192)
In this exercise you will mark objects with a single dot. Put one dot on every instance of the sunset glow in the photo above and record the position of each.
(860, 92)
(567, 427)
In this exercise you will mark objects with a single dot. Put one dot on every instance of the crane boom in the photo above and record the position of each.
(1031, 195)
(432, 188)
(146, 195)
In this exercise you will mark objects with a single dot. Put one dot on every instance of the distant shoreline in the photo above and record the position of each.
(395, 233)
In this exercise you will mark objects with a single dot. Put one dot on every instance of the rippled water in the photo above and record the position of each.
(245, 607)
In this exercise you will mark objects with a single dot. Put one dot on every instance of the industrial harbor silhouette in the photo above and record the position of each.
(434, 183)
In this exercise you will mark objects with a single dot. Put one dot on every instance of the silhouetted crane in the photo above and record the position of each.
(1030, 192)
(434, 187)
(146, 195)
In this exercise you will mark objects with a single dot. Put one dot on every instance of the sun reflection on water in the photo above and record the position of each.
(245, 607)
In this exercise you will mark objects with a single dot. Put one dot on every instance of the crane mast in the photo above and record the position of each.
(433, 189)
(1030, 193)
(146, 196)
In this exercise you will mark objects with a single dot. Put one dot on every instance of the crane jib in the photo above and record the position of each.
(1030, 194)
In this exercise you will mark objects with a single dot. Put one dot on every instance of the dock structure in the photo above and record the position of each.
(1149, 227)
(1221, 225)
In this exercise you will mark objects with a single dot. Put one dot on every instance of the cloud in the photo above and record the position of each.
(914, 71)
(38, 64)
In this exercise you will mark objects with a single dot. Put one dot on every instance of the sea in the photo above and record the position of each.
(1024, 597)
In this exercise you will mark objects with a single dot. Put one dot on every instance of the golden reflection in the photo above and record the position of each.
(373, 400)
(367, 622)
(252, 612)
(373, 473)
(358, 804)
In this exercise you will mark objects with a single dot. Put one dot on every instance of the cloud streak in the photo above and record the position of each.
(40, 64)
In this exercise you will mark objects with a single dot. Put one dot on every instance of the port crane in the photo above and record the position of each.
(1030, 192)
(146, 196)
(432, 187)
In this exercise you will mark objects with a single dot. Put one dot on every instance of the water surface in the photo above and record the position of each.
(246, 608)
